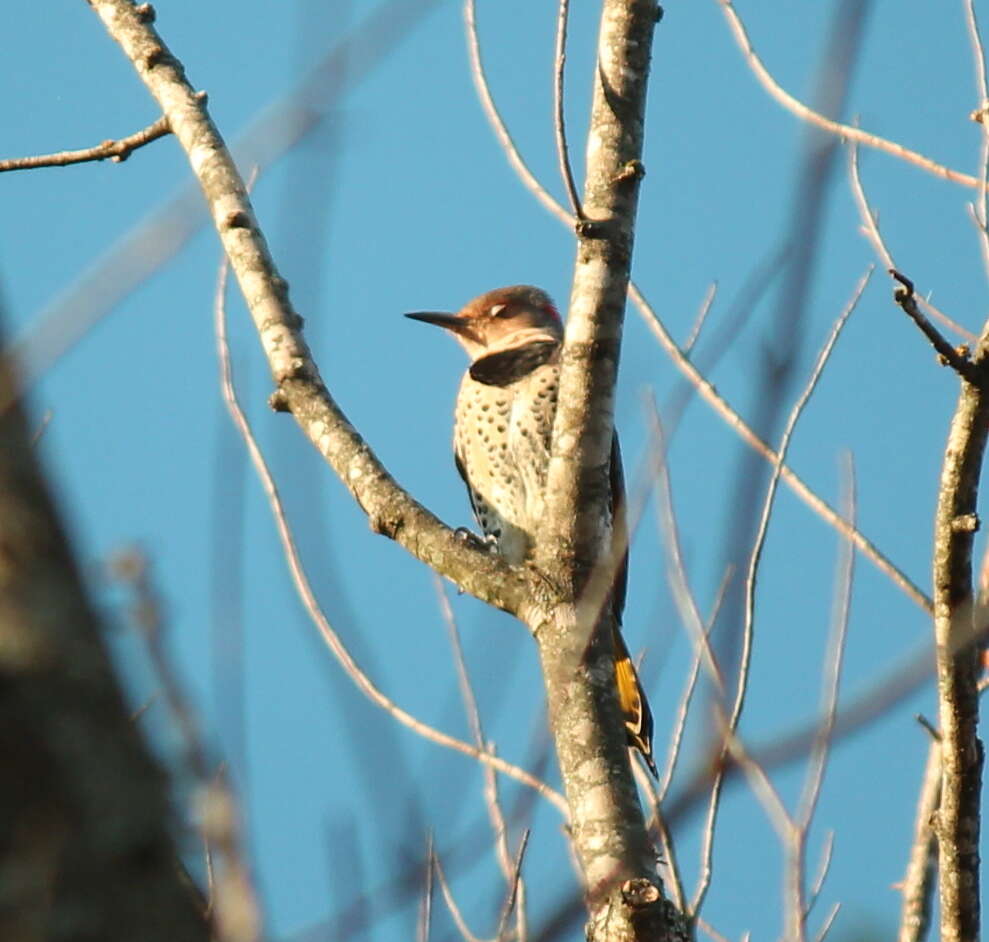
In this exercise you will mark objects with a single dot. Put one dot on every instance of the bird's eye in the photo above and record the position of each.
(499, 310)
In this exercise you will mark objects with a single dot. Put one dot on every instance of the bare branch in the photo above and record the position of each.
(515, 891)
(607, 828)
(498, 125)
(957, 360)
(425, 922)
(833, 662)
(713, 398)
(233, 900)
(451, 903)
(845, 131)
(701, 319)
(562, 151)
(117, 151)
(979, 207)
(958, 657)
(300, 389)
(918, 881)
(870, 228)
(516, 886)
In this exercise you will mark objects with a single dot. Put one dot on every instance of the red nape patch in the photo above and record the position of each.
(552, 311)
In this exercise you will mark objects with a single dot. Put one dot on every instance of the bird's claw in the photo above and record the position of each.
(475, 541)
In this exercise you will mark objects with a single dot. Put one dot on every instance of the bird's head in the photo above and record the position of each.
(500, 320)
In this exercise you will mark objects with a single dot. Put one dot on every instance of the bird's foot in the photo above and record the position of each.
(477, 542)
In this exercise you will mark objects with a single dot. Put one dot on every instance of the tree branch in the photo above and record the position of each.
(118, 150)
(958, 656)
(623, 892)
(391, 511)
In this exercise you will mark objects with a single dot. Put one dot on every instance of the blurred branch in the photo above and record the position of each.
(233, 899)
(84, 811)
(118, 150)
(918, 881)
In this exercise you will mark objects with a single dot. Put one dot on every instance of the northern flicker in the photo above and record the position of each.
(501, 442)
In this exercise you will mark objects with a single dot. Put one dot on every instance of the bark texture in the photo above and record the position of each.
(624, 893)
(958, 659)
(84, 848)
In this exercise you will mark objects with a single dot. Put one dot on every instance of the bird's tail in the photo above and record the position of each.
(634, 706)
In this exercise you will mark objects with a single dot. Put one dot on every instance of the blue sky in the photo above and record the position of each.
(401, 200)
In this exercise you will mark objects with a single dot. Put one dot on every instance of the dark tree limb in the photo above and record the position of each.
(85, 851)
(956, 358)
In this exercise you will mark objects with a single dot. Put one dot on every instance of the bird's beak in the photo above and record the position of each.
(451, 322)
(439, 318)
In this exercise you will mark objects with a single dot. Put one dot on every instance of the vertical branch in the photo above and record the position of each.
(559, 108)
(918, 881)
(958, 661)
(610, 840)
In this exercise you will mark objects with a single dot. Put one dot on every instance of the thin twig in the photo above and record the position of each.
(828, 923)
(426, 903)
(979, 60)
(763, 528)
(833, 661)
(919, 879)
(560, 122)
(698, 326)
(958, 361)
(498, 125)
(750, 583)
(870, 228)
(679, 583)
(822, 872)
(308, 598)
(491, 799)
(680, 722)
(516, 886)
(233, 898)
(117, 151)
(846, 131)
(42, 428)
(715, 400)
(451, 903)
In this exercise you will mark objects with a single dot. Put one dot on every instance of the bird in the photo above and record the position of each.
(503, 421)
